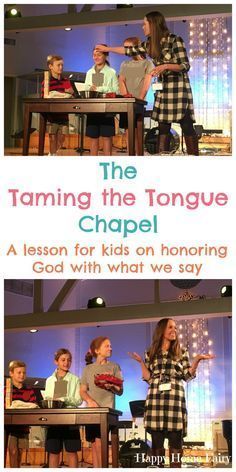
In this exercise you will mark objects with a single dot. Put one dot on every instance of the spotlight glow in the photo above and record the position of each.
(99, 300)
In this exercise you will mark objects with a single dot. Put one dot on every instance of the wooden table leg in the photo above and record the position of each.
(131, 129)
(6, 437)
(42, 130)
(26, 131)
(115, 446)
(140, 132)
(104, 440)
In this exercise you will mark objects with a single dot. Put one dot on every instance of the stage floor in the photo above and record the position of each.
(204, 151)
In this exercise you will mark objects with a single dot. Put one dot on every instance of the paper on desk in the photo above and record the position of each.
(19, 404)
(55, 94)
(81, 87)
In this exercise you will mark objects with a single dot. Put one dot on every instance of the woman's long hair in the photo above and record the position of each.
(158, 30)
(94, 346)
(158, 335)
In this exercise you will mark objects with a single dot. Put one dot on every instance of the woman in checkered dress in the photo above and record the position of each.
(174, 103)
(165, 367)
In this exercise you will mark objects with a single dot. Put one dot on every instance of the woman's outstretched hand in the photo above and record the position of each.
(135, 356)
(145, 372)
(101, 48)
(205, 357)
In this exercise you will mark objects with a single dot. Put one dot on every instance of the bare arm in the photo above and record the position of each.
(146, 85)
(145, 372)
(163, 67)
(114, 389)
(70, 90)
(86, 397)
(174, 67)
(116, 49)
(195, 363)
(122, 85)
(192, 370)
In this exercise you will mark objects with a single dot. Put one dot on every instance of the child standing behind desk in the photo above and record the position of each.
(65, 386)
(134, 80)
(18, 435)
(57, 122)
(101, 78)
(95, 396)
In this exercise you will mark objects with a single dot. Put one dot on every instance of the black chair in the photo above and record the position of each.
(136, 446)
(137, 408)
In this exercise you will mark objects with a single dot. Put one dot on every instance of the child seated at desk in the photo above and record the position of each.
(65, 386)
(57, 123)
(19, 435)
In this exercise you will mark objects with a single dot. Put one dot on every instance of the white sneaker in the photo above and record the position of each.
(49, 154)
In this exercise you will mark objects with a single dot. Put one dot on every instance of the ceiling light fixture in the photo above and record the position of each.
(226, 291)
(12, 13)
(96, 302)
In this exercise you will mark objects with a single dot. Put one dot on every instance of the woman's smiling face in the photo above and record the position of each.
(99, 58)
(170, 331)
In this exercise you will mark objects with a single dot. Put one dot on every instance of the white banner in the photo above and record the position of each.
(107, 217)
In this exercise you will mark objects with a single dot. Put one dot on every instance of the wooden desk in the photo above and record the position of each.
(105, 417)
(131, 106)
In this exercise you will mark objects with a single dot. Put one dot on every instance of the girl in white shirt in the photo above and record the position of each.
(67, 436)
(101, 78)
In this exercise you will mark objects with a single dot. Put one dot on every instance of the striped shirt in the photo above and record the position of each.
(58, 85)
(25, 394)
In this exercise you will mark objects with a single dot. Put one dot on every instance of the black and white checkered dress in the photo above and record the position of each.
(166, 410)
(176, 97)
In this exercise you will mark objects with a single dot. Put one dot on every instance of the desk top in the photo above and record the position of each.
(61, 411)
(84, 100)
(61, 416)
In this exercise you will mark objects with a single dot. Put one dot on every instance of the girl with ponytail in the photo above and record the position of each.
(101, 381)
